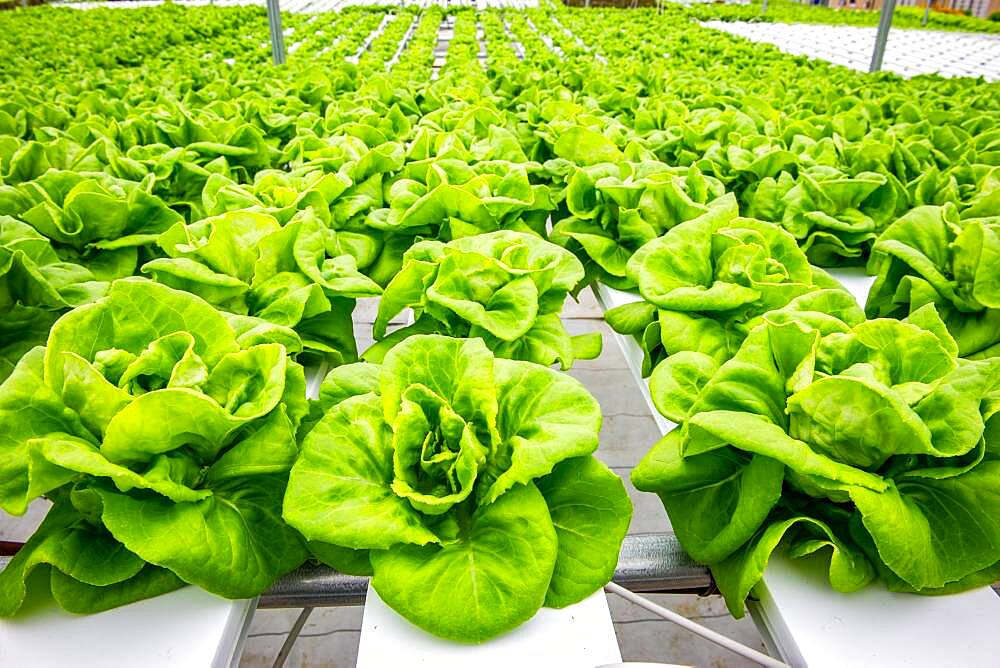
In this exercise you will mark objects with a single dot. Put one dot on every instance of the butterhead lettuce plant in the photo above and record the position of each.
(505, 287)
(165, 445)
(874, 445)
(301, 275)
(464, 483)
(933, 256)
(615, 208)
(707, 282)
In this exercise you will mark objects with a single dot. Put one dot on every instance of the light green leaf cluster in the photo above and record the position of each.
(874, 440)
(165, 442)
(505, 287)
(464, 483)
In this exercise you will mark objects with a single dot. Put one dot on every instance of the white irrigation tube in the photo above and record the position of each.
(293, 634)
(698, 629)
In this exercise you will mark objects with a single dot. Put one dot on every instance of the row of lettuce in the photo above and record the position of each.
(185, 228)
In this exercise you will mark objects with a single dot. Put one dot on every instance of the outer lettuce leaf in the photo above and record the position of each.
(432, 463)
(497, 572)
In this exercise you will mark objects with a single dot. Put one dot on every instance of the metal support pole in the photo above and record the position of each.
(763, 8)
(277, 36)
(882, 36)
(927, 13)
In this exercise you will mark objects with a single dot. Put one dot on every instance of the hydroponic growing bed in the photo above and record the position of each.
(186, 230)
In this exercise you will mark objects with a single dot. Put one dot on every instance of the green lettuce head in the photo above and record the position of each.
(165, 444)
(615, 208)
(873, 443)
(101, 221)
(301, 275)
(707, 283)
(464, 483)
(36, 286)
(933, 256)
(505, 287)
(834, 216)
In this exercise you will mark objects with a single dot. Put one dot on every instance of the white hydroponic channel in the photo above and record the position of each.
(908, 52)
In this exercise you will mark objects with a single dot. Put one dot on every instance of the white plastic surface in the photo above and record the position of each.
(188, 627)
(579, 636)
(819, 627)
(811, 625)
(908, 52)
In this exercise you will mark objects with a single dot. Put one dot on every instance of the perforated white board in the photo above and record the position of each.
(811, 625)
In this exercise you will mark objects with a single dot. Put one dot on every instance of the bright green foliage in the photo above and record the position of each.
(788, 11)
(468, 481)
(707, 283)
(165, 442)
(35, 287)
(933, 256)
(616, 208)
(505, 287)
(162, 143)
(874, 440)
(247, 263)
(98, 216)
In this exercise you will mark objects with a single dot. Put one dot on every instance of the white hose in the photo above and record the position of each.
(293, 634)
(694, 627)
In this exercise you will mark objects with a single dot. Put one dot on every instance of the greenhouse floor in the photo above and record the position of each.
(908, 52)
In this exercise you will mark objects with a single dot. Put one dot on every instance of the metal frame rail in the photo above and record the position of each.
(651, 563)
(882, 36)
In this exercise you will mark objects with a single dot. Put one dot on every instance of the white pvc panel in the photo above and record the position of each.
(817, 627)
(188, 627)
(908, 52)
(578, 636)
